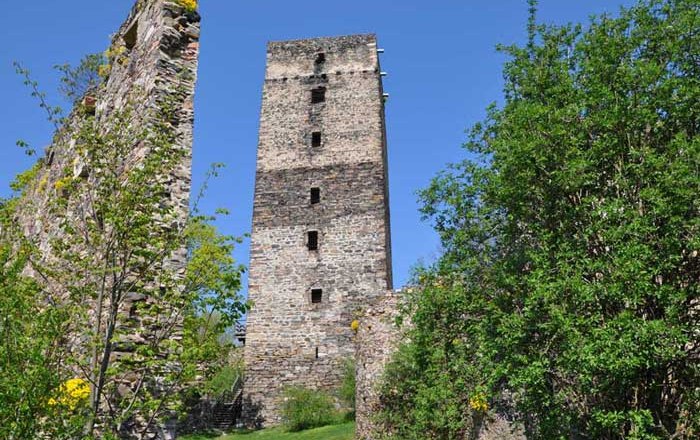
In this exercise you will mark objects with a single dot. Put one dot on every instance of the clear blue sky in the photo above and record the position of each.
(443, 72)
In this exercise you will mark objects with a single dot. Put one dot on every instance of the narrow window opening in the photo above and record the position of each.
(312, 241)
(131, 35)
(316, 296)
(318, 95)
(315, 195)
(316, 352)
(316, 139)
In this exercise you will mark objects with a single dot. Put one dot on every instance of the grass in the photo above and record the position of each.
(345, 431)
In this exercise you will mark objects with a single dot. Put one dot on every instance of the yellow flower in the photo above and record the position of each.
(478, 402)
(190, 5)
(354, 325)
(43, 182)
(62, 183)
(114, 52)
(71, 393)
(104, 69)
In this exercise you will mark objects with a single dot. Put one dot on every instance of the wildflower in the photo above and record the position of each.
(190, 5)
(62, 184)
(103, 70)
(59, 185)
(478, 402)
(71, 393)
(354, 325)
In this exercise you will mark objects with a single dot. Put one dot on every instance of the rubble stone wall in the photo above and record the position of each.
(153, 59)
(378, 337)
(162, 61)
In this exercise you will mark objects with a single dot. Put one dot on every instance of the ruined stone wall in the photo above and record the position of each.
(159, 60)
(378, 337)
(290, 339)
(152, 60)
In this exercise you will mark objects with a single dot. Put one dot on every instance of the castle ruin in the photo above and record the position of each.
(151, 63)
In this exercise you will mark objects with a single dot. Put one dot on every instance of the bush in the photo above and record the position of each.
(304, 408)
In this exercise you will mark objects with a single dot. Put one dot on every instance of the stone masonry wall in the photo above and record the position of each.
(162, 61)
(157, 51)
(378, 337)
(290, 340)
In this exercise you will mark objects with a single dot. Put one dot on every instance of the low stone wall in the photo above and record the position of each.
(377, 338)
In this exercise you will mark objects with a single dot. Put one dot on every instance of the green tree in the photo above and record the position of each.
(132, 271)
(30, 355)
(569, 282)
(77, 81)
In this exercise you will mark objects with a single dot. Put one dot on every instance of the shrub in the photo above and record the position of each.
(304, 408)
(570, 236)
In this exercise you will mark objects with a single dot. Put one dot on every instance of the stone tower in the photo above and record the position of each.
(321, 246)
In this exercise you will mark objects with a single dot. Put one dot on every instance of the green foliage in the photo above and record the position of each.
(213, 278)
(31, 357)
(304, 409)
(348, 385)
(53, 113)
(24, 179)
(223, 380)
(115, 236)
(429, 382)
(77, 81)
(212, 282)
(569, 280)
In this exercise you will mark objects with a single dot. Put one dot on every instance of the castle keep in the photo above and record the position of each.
(320, 246)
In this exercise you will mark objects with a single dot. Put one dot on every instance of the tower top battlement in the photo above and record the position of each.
(314, 56)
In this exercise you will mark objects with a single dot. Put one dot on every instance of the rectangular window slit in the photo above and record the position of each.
(131, 35)
(316, 296)
(316, 139)
(315, 195)
(312, 241)
(318, 95)
(316, 352)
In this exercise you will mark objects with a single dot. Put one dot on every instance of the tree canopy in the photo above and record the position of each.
(567, 294)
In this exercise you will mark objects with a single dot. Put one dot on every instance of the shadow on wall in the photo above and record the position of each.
(251, 417)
